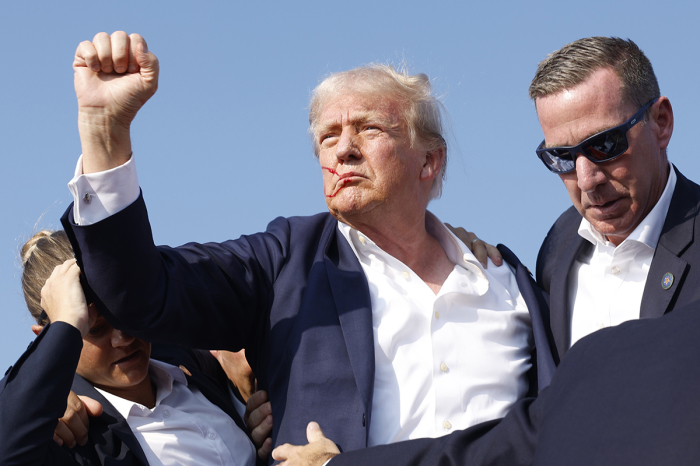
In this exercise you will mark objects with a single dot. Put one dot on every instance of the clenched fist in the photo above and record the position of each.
(114, 76)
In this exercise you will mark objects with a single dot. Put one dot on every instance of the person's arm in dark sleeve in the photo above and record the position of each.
(33, 397)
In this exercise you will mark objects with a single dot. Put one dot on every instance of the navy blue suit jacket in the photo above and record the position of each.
(615, 400)
(34, 391)
(677, 253)
(295, 297)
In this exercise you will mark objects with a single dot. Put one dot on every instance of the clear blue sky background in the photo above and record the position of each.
(222, 148)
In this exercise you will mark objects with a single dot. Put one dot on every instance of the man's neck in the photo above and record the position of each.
(406, 239)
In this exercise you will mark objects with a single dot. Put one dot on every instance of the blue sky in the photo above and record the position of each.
(222, 148)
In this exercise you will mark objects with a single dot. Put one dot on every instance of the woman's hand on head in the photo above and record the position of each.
(63, 300)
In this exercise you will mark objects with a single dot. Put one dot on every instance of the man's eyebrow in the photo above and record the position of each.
(358, 118)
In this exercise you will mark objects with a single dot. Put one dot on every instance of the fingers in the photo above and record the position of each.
(260, 424)
(254, 402)
(314, 432)
(494, 254)
(258, 419)
(93, 407)
(117, 53)
(284, 452)
(72, 428)
(63, 435)
(103, 46)
(481, 249)
(265, 450)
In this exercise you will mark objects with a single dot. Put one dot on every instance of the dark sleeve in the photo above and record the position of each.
(211, 296)
(507, 442)
(33, 396)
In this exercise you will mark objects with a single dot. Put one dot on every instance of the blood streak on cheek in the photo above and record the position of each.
(344, 182)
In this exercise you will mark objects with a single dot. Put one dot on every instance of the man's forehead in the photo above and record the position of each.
(346, 108)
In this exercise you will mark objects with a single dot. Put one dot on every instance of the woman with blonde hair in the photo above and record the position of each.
(153, 412)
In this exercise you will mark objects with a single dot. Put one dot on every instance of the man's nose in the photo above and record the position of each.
(347, 149)
(588, 174)
(120, 338)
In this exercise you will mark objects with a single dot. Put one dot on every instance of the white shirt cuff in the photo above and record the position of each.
(97, 196)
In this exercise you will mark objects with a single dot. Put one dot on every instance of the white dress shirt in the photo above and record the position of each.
(184, 427)
(443, 362)
(606, 283)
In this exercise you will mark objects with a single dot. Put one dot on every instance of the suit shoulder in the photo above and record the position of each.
(302, 228)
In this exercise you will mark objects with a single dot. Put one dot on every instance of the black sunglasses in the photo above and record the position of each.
(602, 147)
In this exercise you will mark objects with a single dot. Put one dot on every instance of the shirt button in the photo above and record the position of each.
(405, 275)
(437, 315)
(616, 270)
(211, 435)
(87, 198)
(362, 239)
(463, 285)
(601, 324)
(166, 413)
(447, 425)
(443, 368)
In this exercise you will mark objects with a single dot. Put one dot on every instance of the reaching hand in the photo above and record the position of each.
(114, 77)
(315, 453)
(63, 300)
(72, 428)
(480, 248)
(237, 370)
(258, 420)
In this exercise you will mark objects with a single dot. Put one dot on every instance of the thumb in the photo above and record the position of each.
(93, 407)
(147, 61)
(314, 432)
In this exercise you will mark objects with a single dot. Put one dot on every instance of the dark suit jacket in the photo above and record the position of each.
(34, 391)
(677, 253)
(295, 297)
(615, 400)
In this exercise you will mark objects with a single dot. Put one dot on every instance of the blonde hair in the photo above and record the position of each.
(422, 111)
(40, 255)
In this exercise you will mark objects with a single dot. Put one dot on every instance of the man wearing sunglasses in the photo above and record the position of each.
(626, 248)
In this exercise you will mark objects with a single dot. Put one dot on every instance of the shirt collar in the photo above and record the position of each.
(163, 375)
(649, 230)
(457, 252)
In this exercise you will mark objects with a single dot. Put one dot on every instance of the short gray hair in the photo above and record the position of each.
(422, 111)
(575, 62)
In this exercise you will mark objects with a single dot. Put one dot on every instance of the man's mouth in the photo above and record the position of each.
(343, 180)
(608, 207)
(127, 359)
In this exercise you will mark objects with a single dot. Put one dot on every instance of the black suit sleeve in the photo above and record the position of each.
(211, 296)
(33, 395)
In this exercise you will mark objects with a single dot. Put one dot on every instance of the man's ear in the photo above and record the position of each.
(662, 117)
(432, 165)
(37, 329)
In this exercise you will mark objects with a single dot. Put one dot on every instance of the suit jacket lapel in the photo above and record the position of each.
(113, 425)
(351, 296)
(676, 235)
(559, 296)
(539, 315)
